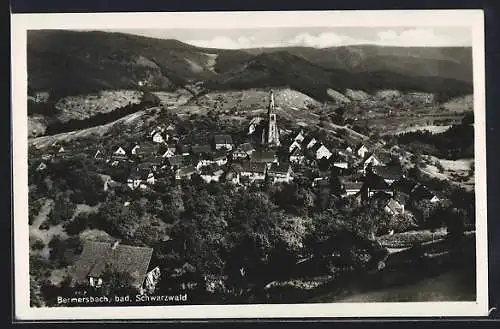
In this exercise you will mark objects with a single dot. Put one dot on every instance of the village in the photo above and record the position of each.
(364, 172)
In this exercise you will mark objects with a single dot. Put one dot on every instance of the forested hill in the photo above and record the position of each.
(69, 62)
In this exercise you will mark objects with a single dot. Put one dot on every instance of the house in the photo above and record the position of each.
(299, 137)
(321, 181)
(295, 145)
(320, 151)
(183, 149)
(41, 167)
(120, 151)
(280, 173)
(389, 173)
(167, 153)
(202, 149)
(393, 207)
(254, 123)
(220, 160)
(97, 257)
(223, 141)
(134, 149)
(175, 161)
(147, 150)
(362, 150)
(296, 156)
(254, 171)
(351, 188)
(374, 184)
(168, 150)
(309, 142)
(153, 165)
(377, 159)
(341, 164)
(266, 157)
(211, 173)
(402, 188)
(140, 177)
(243, 151)
(159, 137)
(421, 192)
(185, 172)
(100, 153)
(232, 175)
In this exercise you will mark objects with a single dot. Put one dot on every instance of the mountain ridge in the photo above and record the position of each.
(77, 62)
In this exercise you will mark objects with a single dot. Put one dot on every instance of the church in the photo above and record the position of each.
(265, 130)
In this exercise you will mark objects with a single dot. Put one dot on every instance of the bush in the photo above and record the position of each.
(38, 245)
(77, 225)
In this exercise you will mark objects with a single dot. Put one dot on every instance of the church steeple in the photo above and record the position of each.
(270, 135)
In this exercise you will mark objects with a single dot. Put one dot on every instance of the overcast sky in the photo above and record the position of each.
(314, 36)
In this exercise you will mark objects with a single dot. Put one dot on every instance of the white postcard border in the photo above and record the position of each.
(22, 22)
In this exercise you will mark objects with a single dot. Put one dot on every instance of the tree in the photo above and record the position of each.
(116, 283)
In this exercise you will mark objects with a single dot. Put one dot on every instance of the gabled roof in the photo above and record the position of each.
(279, 168)
(393, 205)
(264, 156)
(308, 139)
(421, 192)
(296, 152)
(255, 167)
(223, 139)
(186, 170)
(383, 157)
(123, 258)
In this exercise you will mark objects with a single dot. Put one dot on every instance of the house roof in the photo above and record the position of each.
(140, 173)
(393, 172)
(263, 156)
(308, 139)
(176, 160)
(246, 147)
(147, 148)
(353, 185)
(186, 170)
(279, 168)
(256, 167)
(198, 149)
(317, 146)
(383, 157)
(394, 205)
(223, 139)
(296, 152)
(123, 258)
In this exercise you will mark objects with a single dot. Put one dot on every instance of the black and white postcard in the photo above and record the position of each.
(212, 165)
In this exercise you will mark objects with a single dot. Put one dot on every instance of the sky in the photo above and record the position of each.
(317, 37)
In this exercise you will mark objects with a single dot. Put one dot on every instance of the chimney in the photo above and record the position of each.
(115, 244)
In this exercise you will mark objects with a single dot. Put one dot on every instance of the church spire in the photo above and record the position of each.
(270, 136)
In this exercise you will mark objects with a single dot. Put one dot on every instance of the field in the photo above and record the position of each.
(410, 238)
(454, 285)
(85, 106)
